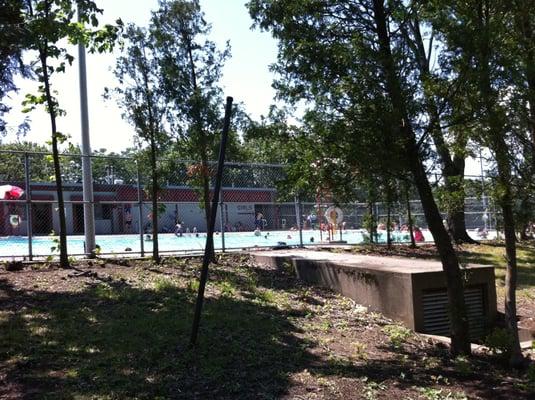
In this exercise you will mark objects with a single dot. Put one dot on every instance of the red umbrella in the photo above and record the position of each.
(10, 192)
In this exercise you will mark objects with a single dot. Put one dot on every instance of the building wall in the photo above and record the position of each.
(180, 203)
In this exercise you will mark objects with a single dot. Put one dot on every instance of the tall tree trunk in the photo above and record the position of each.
(206, 201)
(154, 192)
(203, 151)
(450, 263)
(454, 177)
(495, 121)
(372, 227)
(506, 200)
(409, 217)
(388, 220)
(452, 167)
(460, 342)
(63, 255)
(153, 133)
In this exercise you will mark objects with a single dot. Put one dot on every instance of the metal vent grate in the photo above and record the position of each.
(435, 310)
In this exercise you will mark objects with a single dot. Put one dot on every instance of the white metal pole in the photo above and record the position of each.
(87, 178)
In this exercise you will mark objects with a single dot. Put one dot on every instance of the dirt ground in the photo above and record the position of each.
(114, 329)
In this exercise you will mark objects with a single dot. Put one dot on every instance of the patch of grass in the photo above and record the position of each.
(429, 393)
(372, 389)
(500, 342)
(227, 288)
(397, 334)
(495, 255)
(193, 285)
(359, 350)
(266, 296)
(462, 365)
(431, 362)
(162, 284)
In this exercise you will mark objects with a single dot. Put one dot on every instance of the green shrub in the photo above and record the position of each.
(531, 375)
(462, 365)
(397, 334)
(500, 342)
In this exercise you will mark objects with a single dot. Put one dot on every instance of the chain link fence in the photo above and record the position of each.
(254, 210)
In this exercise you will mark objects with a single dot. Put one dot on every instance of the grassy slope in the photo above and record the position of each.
(122, 332)
(494, 254)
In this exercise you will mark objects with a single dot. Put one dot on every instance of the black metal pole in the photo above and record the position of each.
(209, 237)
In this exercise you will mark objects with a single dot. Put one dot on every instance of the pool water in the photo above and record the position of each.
(17, 246)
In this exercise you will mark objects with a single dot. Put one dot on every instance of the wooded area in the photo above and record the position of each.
(388, 93)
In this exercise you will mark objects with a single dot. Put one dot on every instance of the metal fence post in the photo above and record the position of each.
(140, 206)
(496, 223)
(298, 219)
(222, 220)
(28, 204)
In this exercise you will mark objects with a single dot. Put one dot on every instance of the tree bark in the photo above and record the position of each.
(372, 228)
(460, 342)
(63, 254)
(203, 146)
(154, 192)
(409, 217)
(153, 132)
(516, 360)
(494, 119)
(388, 220)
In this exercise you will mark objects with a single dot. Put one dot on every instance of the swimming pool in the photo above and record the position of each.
(17, 246)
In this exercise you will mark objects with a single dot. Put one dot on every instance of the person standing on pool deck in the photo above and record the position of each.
(148, 225)
(258, 221)
(128, 219)
(418, 235)
(178, 229)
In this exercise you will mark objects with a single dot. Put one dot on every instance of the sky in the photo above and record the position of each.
(246, 75)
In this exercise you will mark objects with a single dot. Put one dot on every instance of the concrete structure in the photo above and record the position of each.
(412, 291)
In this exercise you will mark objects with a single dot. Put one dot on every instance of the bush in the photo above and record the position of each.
(500, 342)
(397, 334)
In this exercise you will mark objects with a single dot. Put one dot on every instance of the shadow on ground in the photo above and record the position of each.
(114, 340)
(121, 341)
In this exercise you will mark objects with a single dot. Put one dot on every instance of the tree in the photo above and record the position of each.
(329, 51)
(480, 47)
(189, 72)
(144, 104)
(12, 44)
(109, 167)
(437, 100)
(12, 164)
(48, 24)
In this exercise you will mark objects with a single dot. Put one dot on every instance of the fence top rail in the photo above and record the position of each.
(121, 157)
